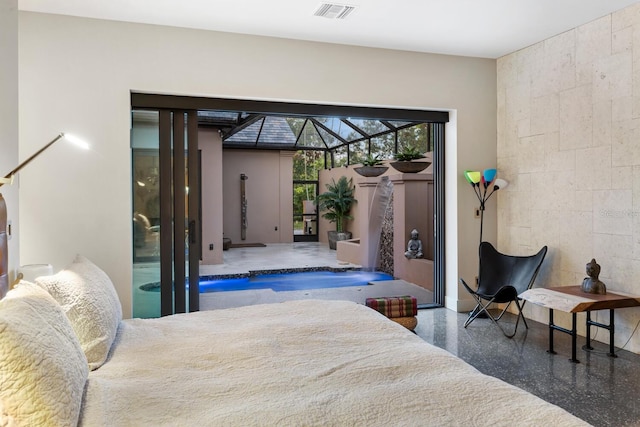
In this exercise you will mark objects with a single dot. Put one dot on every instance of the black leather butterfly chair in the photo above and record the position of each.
(502, 278)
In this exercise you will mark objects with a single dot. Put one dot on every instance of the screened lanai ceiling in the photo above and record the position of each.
(245, 130)
(346, 134)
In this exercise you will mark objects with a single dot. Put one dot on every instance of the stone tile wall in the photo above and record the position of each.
(569, 143)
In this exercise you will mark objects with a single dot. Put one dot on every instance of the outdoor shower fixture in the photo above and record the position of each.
(243, 207)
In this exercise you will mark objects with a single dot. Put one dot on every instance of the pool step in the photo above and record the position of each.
(398, 282)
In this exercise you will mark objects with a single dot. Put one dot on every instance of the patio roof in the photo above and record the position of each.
(346, 134)
(244, 130)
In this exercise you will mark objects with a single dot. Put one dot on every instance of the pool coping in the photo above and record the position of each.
(152, 285)
(252, 273)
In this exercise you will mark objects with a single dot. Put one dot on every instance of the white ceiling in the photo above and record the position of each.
(480, 28)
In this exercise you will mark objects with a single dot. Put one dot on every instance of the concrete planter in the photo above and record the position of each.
(334, 236)
(370, 171)
(410, 167)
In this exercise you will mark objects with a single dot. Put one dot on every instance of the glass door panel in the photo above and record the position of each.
(305, 216)
(145, 191)
(166, 212)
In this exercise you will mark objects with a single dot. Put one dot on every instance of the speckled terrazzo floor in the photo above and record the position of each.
(601, 390)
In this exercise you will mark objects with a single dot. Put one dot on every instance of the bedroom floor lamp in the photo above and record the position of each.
(484, 184)
(8, 179)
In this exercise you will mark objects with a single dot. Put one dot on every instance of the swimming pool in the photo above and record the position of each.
(281, 282)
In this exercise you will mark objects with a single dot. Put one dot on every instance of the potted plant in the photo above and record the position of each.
(405, 161)
(371, 166)
(336, 204)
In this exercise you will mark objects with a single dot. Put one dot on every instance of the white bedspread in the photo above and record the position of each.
(301, 363)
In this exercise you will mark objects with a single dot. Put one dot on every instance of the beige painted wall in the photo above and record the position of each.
(9, 119)
(568, 135)
(76, 75)
(269, 192)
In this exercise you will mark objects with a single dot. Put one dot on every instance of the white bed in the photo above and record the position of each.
(311, 363)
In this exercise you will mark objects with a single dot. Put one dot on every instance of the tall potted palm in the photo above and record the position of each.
(336, 204)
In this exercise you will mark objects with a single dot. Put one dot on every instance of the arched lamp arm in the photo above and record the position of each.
(8, 178)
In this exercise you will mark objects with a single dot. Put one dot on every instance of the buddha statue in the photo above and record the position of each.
(591, 284)
(414, 247)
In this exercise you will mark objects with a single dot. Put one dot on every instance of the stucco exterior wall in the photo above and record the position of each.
(268, 192)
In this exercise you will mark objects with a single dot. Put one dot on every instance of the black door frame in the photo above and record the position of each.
(155, 101)
(179, 211)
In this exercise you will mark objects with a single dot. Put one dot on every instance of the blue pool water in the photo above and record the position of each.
(295, 281)
(279, 282)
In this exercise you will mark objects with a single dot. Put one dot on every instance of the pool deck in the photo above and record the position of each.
(280, 256)
(275, 256)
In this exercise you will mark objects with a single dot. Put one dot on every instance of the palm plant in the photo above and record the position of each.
(405, 163)
(408, 154)
(337, 201)
(372, 161)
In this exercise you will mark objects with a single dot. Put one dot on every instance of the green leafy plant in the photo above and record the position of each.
(408, 154)
(372, 161)
(337, 201)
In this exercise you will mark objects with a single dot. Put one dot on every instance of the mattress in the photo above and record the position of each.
(311, 363)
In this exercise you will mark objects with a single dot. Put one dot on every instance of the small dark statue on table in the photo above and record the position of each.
(591, 284)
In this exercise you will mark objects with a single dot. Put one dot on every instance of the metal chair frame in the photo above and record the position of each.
(501, 279)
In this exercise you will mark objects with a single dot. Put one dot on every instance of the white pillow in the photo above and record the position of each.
(91, 303)
(42, 367)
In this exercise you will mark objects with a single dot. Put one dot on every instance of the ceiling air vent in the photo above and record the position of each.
(334, 11)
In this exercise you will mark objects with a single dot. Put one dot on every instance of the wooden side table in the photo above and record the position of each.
(571, 299)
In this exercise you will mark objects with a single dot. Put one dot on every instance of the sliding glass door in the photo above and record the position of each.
(166, 211)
